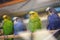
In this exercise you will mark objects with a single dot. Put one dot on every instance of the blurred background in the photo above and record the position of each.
(21, 8)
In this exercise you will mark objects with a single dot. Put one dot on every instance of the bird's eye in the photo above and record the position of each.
(32, 13)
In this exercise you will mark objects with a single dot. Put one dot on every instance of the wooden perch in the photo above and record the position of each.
(9, 36)
(18, 36)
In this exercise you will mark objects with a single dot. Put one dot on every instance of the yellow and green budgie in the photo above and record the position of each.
(7, 27)
(34, 21)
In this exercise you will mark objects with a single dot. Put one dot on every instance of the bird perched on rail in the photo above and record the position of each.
(7, 26)
(34, 21)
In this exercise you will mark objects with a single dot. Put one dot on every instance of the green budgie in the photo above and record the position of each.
(7, 26)
(34, 21)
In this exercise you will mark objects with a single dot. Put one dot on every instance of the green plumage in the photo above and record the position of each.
(34, 24)
(8, 28)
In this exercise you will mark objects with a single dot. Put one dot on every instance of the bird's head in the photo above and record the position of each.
(33, 14)
(5, 16)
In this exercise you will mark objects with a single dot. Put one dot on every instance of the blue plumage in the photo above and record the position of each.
(19, 26)
(54, 22)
